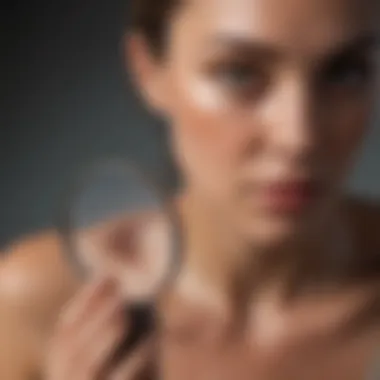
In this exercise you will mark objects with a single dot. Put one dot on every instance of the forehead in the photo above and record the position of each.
(307, 24)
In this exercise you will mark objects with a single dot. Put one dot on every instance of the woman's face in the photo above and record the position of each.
(268, 102)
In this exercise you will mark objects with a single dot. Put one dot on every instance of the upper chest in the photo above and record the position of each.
(303, 344)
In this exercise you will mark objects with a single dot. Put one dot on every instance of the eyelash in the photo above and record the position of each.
(240, 77)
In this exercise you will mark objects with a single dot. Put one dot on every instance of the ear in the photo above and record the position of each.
(147, 72)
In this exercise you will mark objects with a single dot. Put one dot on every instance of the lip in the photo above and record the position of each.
(290, 196)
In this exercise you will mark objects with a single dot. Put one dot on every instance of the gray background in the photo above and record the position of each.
(65, 100)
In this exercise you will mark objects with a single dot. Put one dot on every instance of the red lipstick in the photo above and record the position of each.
(290, 196)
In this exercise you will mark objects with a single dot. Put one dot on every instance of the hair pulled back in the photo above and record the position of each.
(151, 18)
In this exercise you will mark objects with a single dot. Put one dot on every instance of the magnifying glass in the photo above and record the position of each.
(118, 222)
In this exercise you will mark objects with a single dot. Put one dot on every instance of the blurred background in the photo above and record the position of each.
(66, 100)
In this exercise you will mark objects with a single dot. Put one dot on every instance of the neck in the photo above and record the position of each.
(217, 257)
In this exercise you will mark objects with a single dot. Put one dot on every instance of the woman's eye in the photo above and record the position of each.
(240, 77)
(348, 74)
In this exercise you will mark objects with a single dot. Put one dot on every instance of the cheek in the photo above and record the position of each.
(207, 133)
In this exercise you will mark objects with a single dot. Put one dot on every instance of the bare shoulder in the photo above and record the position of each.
(35, 280)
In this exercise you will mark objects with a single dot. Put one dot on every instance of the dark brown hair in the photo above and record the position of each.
(151, 18)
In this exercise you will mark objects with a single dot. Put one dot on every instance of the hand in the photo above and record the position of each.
(88, 335)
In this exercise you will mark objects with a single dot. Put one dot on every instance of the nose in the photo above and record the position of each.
(290, 119)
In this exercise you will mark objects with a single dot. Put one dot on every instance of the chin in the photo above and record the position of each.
(271, 231)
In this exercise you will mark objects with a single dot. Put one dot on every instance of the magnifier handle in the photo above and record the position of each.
(141, 322)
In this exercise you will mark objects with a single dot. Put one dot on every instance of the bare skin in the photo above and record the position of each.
(37, 283)
(268, 103)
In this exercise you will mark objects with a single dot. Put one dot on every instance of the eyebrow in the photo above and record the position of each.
(351, 46)
(247, 46)
(252, 47)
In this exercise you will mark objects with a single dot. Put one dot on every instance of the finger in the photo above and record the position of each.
(110, 315)
(69, 335)
(88, 364)
(85, 349)
(87, 301)
(137, 364)
(98, 354)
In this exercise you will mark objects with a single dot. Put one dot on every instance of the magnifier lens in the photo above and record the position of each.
(117, 223)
